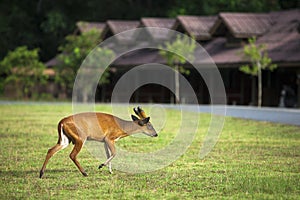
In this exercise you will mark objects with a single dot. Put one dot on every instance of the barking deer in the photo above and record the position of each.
(100, 127)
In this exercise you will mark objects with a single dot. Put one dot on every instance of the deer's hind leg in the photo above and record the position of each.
(78, 144)
(62, 143)
(73, 155)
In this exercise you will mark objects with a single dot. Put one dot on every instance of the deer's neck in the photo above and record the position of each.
(129, 127)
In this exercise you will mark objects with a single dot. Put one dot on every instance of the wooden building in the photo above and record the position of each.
(223, 37)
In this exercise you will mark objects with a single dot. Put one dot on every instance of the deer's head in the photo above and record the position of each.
(144, 122)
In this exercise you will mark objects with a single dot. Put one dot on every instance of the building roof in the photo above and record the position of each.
(196, 26)
(139, 57)
(157, 22)
(114, 27)
(49, 72)
(53, 62)
(118, 26)
(282, 41)
(222, 55)
(242, 25)
(278, 30)
(283, 38)
(156, 34)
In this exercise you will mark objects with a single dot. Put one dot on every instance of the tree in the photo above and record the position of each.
(73, 53)
(259, 60)
(23, 70)
(45, 23)
(185, 48)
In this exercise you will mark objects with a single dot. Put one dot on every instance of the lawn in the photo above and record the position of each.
(251, 160)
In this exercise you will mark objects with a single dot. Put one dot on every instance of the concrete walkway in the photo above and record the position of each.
(277, 115)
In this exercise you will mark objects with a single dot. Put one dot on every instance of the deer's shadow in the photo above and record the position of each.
(33, 173)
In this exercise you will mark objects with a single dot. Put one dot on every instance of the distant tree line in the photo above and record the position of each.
(44, 24)
(22, 70)
(34, 31)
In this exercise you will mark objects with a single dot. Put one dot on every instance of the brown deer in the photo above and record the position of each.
(99, 127)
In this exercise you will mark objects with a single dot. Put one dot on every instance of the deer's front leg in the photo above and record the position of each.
(108, 156)
(110, 147)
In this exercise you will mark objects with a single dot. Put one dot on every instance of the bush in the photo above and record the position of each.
(22, 70)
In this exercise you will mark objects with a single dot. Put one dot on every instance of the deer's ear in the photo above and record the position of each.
(146, 120)
(134, 118)
(142, 122)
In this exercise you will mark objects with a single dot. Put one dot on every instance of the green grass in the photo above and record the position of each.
(251, 160)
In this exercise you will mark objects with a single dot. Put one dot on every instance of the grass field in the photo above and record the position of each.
(251, 160)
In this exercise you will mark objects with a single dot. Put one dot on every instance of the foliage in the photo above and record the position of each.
(258, 57)
(74, 51)
(54, 23)
(23, 70)
(45, 23)
(184, 47)
(252, 160)
(212, 7)
(215, 6)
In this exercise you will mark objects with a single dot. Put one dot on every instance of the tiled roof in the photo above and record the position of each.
(196, 26)
(118, 26)
(222, 55)
(282, 41)
(157, 22)
(283, 38)
(243, 25)
(139, 57)
(280, 31)
(49, 72)
(53, 62)
(157, 34)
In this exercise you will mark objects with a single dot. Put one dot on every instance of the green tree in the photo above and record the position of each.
(185, 48)
(46, 23)
(73, 52)
(259, 60)
(23, 70)
(212, 7)
(54, 23)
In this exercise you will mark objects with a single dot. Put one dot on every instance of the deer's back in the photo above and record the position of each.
(91, 125)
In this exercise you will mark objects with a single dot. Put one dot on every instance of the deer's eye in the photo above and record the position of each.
(149, 126)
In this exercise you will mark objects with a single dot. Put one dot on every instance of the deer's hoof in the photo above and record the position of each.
(100, 166)
(84, 174)
(41, 174)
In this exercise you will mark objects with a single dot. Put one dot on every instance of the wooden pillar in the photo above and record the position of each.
(298, 88)
(242, 94)
(253, 91)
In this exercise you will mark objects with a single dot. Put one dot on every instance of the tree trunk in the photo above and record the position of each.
(259, 79)
(85, 96)
(298, 88)
(253, 91)
(177, 92)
